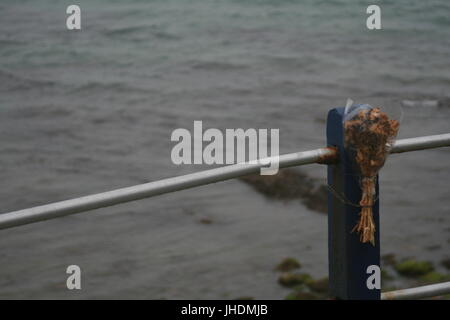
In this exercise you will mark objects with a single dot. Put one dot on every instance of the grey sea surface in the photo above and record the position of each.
(88, 111)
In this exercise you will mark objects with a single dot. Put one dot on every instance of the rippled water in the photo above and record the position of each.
(85, 112)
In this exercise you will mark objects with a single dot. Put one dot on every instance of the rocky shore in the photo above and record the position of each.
(294, 185)
(290, 185)
(302, 286)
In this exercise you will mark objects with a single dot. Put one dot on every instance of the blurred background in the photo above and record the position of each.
(93, 110)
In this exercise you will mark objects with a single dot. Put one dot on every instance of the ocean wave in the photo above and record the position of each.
(141, 31)
(14, 82)
(6, 42)
(113, 87)
(42, 112)
(216, 66)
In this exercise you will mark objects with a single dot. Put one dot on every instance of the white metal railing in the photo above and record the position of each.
(429, 291)
(147, 190)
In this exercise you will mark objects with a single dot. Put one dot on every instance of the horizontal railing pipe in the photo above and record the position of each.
(429, 291)
(146, 190)
(421, 143)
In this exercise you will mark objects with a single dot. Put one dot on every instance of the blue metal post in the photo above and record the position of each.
(349, 259)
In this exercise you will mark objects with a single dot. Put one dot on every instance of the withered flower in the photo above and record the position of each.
(369, 134)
